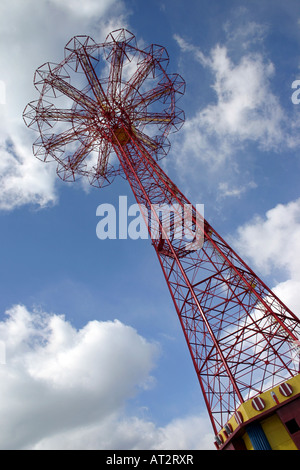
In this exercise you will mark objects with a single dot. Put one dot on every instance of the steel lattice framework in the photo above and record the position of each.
(114, 118)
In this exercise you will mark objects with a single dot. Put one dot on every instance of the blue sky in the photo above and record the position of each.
(94, 350)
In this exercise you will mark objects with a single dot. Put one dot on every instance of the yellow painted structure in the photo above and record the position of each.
(275, 431)
(277, 435)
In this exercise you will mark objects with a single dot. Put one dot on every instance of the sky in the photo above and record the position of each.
(94, 354)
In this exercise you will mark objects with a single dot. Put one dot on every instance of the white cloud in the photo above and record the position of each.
(271, 244)
(187, 47)
(63, 388)
(241, 31)
(245, 108)
(273, 241)
(226, 190)
(57, 378)
(88, 8)
(187, 433)
(23, 179)
(240, 116)
(32, 33)
(134, 433)
(288, 292)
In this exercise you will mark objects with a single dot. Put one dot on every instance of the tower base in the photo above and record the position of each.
(269, 421)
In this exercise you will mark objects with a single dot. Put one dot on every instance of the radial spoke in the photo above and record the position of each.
(66, 137)
(61, 115)
(102, 162)
(92, 78)
(145, 139)
(147, 98)
(138, 78)
(80, 153)
(154, 118)
(72, 93)
(115, 73)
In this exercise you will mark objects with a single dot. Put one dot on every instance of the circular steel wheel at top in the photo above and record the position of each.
(103, 93)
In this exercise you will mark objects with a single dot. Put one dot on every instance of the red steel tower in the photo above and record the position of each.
(115, 106)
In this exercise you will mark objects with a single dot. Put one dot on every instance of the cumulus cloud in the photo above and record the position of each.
(116, 432)
(241, 114)
(88, 8)
(271, 244)
(245, 108)
(23, 180)
(57, 378)
(64, 388)
(273, 240)
(32, 33)
(226, 190)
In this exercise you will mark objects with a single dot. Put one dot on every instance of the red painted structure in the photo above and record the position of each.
(115, 106)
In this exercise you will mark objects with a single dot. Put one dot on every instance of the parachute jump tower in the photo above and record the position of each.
(107, 110)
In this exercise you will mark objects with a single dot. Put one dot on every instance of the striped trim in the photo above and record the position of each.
(228, 428)
(238, 417)
(285, 390)
(258, 403)
(219, 439)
